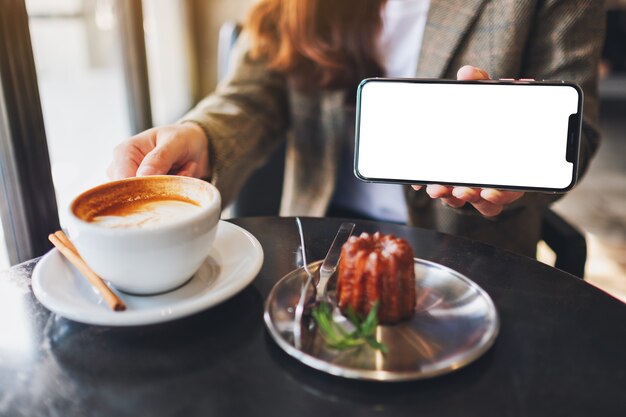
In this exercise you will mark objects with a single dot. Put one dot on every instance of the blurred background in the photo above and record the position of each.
(106, 69)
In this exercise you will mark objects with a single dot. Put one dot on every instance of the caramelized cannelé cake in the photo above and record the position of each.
(377, 268)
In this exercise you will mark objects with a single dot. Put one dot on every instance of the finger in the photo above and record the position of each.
(469, 72)
(127, 156)
(111, 172)
(159, 161)
(513, 79)
(500, 197)
(453, 202)
(487, 208)
(188, 170)
(438, 191)
(122, 168)
(126, 160)
(417, 187)
(145, 141)
(470, 195)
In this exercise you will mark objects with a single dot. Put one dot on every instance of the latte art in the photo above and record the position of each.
(146, 235)
(146, 214)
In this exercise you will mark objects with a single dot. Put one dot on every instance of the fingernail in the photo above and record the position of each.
(459, 192)
(465, 193)
(145, 171)
(492, 195)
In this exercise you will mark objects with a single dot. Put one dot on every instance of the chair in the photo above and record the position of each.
(260, 196)
(567, 242)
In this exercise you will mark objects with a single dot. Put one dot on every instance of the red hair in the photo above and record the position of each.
(318, 43)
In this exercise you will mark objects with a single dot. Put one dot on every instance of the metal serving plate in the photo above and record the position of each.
(455, 322)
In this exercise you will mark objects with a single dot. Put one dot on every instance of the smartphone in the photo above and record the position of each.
(517, 135)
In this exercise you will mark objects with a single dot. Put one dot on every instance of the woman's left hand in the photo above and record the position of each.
(488, 201)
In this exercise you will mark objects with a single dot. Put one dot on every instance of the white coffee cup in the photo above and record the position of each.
(146, 235)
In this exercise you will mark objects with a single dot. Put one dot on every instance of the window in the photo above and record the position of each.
(80, 74)
(4, 252)
(170, 61)
(95, 62)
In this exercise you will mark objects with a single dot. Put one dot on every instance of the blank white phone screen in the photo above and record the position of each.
(513, 135)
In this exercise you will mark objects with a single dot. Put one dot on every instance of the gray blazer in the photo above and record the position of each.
(543, 39)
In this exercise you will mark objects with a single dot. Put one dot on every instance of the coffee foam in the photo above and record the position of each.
(148, 201)
(146, 214)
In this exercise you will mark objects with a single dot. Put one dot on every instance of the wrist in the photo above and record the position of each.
(196, 130)
(199, 139)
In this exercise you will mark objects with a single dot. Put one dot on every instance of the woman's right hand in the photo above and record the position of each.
(180, 149)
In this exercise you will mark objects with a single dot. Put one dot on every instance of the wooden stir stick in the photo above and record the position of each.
(65, 246)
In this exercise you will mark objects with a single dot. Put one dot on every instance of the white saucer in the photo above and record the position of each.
(234, 261)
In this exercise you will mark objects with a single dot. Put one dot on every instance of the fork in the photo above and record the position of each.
(328, 268)
(297, 320)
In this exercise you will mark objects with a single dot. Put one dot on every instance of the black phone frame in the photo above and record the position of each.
(573, 134)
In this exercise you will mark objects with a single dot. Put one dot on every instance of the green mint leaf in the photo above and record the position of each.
(352, 317)
(371, 340)
(337, 338)
(368, 326)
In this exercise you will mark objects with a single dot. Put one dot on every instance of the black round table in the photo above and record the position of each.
(561, 350)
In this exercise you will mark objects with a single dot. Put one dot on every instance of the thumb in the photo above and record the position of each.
(159, 161)
(469, 72)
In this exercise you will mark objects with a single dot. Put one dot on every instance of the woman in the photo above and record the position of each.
(297, 68)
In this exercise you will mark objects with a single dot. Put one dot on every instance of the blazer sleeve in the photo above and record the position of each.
(244, 120)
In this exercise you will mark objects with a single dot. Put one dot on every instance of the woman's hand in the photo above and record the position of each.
(180, 149)
(488, 201)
